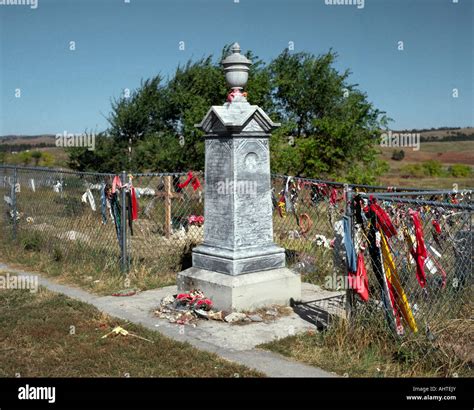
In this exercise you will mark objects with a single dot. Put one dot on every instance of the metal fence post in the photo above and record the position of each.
(14, 207)
(348, 213)
(123, 217)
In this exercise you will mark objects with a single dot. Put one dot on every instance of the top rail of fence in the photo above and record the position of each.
(399, 199)
(342, 184)
(417, 193)
(393, 189)
(161, 174)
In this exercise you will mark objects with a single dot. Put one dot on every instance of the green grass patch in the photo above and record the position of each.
(45, 334)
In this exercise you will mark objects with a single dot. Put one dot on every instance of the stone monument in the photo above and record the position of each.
(238, 266)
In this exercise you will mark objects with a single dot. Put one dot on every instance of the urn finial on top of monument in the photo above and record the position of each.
(236, 116)
(236, 68)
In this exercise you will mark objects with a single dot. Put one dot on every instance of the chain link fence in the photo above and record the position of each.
(55, 213)
(413, 274)
(397, 262)
(415, 248)
(74, 216)
(79, 219)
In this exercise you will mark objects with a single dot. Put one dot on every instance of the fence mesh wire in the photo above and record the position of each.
(51, 214)
(419, 257)
(170, 221)
(68, 216)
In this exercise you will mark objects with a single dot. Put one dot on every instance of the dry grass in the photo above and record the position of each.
(36, 341)
(366, 349)
(89, 270)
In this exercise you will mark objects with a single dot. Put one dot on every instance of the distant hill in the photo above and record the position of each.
(28, 139)
(17, 143)
(443, 134)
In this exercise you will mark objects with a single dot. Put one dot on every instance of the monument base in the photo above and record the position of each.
(243, 292)
(239, 261)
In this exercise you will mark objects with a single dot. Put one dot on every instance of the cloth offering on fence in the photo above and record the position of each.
(383, 220)
(339, 253)
(437, 233)
(116, 183)
(397, 294)
(88, 197)
(103, 203)
(195, 220)
(134, 204)
(357, 204)
(282, 206)
(419, 252)
(351, 258)
(290, 195)
(58, 187)
(358, 281)
(318, 192)
(436, 226)
(116, 213)
(437, 264)
(333, 196)
(32, 185)
(195, 183)
(132, 211)
(376, 259)
(190, 179)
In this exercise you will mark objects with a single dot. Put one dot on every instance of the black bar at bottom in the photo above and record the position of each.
(204, 393)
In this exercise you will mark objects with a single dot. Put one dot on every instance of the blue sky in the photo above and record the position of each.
(118, 44)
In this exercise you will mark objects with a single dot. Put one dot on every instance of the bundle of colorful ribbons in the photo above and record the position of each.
(377, 232)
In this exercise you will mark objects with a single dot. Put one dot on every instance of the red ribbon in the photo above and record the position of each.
(359, 280)
(419, 254)
(333, 196)
(191, 178)
(193, 219)
(435, 224)
(134, 204)
(383, 219)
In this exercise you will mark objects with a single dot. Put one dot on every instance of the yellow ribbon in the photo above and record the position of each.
(392, 276)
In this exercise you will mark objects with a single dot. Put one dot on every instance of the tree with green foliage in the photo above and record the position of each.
(460, 170)
(22, 158)
(47, 159)
(36, 155)
(398, 155)
(433, 168)
(329, 128)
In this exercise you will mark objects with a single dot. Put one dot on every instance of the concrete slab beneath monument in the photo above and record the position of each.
(249, 291)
